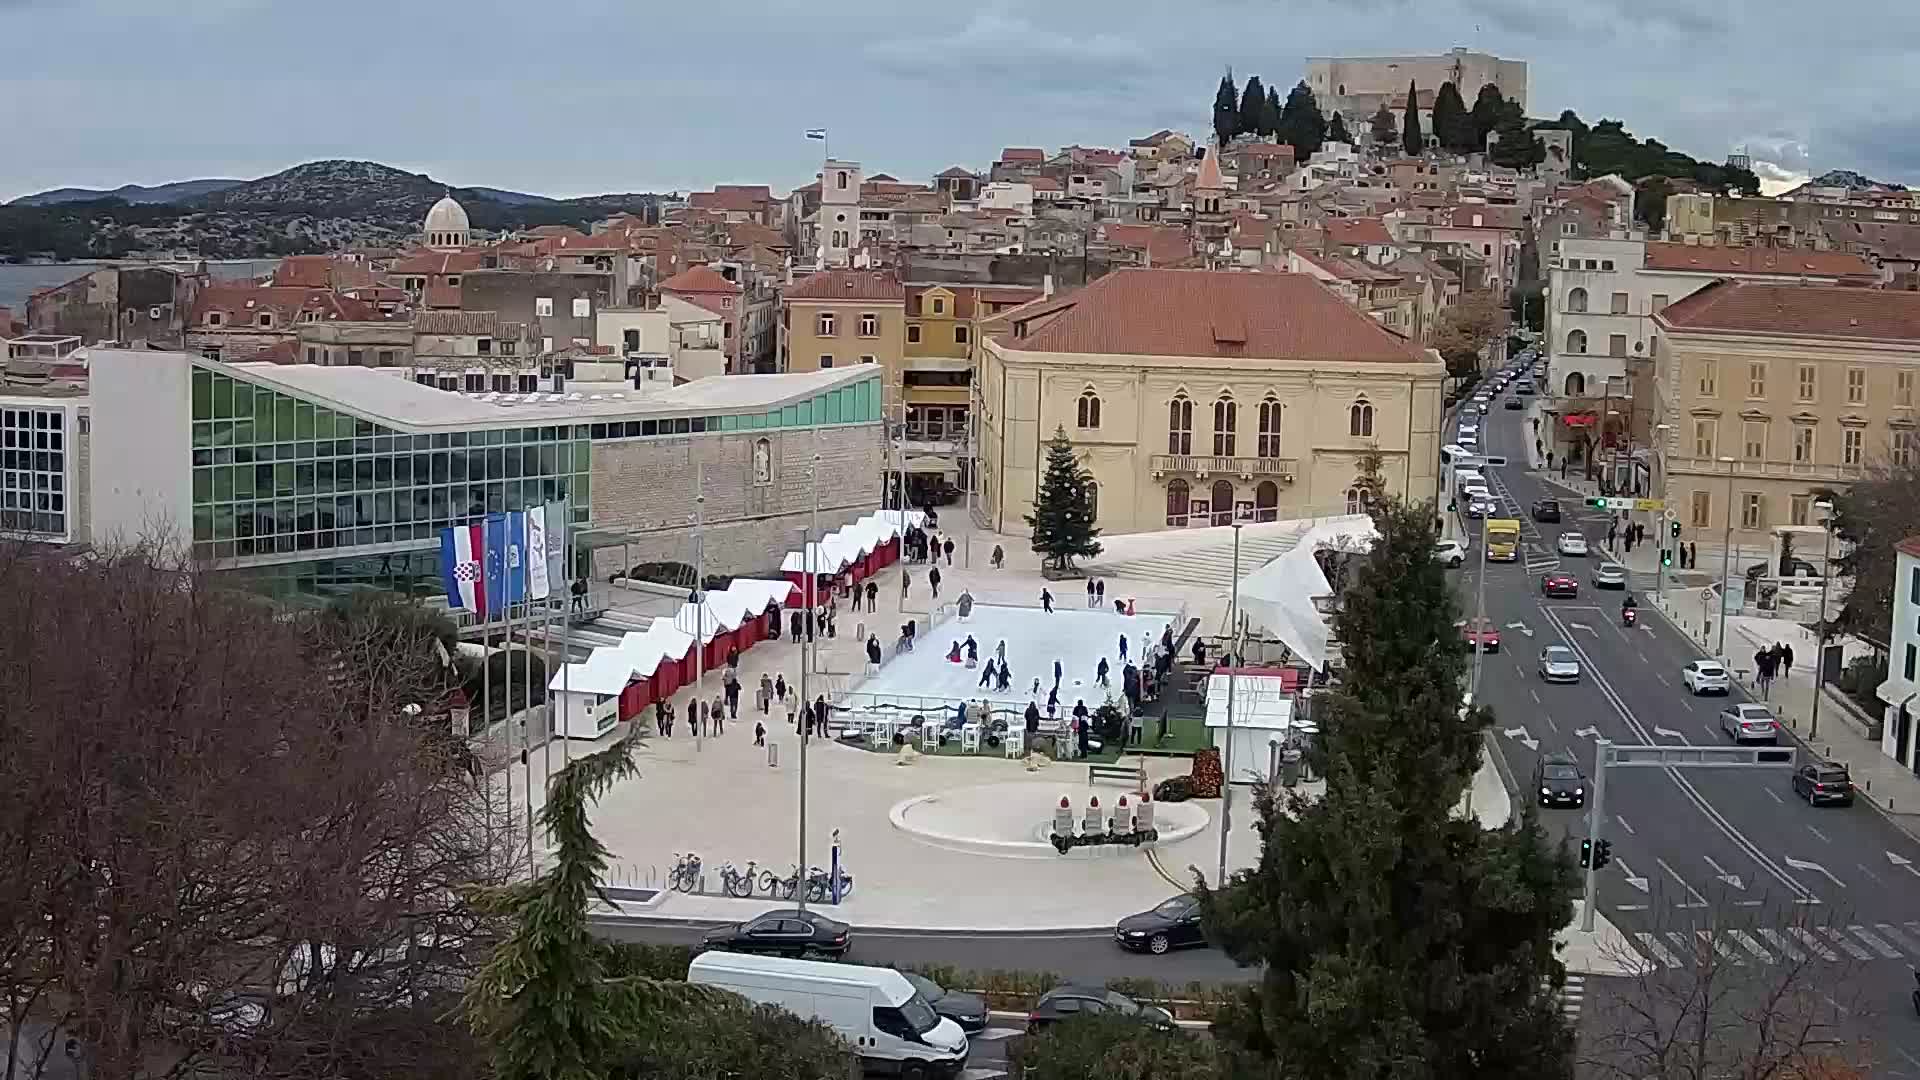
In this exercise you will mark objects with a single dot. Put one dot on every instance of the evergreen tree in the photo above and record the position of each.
(1273, 110)
(1226, 110)
(1253, 108)
(1412, 139)
(1452, 124)
(1301, 125)
(1516, 147)
(1062, 517)
(1383, 132)
(1337, 130)
(1397, 940)
(1486, 113)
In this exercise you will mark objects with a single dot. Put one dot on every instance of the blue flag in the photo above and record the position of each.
(496, 563)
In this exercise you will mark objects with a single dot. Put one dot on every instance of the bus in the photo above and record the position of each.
(1503, 539)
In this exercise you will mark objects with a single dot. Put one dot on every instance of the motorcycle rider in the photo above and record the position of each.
(1628, 608)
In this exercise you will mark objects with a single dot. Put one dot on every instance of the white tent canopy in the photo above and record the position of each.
(1259, 701)
(1278, 597)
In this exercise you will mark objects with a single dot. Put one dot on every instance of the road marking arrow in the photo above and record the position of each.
(1799, 864)
(1721, 873)
(1583, 626)
(1668, 733)
(1520, 733)
(1903, 863)
(1637, 882)
(1587, 732)
(1520, 626)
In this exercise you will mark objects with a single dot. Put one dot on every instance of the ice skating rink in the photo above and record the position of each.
(924, 681)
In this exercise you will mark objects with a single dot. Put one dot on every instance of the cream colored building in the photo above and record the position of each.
(1802, 387)
(1192, 395)
(839, 318)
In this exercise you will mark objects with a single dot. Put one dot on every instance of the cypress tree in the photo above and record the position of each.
(1062, 518)
(1273, 111)
(1337, 130)
(1226, 110)
(1382, 125)
(1301, 124)
(1452, 124)
(1486, 113)
(1253, 108)
(1412, 139)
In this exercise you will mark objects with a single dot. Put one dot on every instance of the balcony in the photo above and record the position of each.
(1772, 470)
(1246, 468)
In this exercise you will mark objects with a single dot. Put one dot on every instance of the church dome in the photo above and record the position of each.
(446, 224)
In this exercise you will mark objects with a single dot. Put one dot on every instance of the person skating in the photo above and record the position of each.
(1053, 701)
(1046, 601)
(1123, 646)
(1005, 678)
(999, 557)
(986, 673)
(1000, 650)
(1100, 673)
(973, 650)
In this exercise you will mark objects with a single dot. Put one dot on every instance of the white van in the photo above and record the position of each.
(876, 1009)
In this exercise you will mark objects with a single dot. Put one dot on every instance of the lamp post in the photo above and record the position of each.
(1226, 763)
(1825, 506)
(809, 655)
(1479, 613)
(1726, 561)
(1660, 459)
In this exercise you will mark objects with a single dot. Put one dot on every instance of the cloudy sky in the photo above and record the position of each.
(571, 97)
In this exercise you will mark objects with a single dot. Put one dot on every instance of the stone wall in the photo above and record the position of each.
(645, 488)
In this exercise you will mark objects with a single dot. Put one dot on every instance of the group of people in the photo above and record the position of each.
(1773, 662)
(923, 545)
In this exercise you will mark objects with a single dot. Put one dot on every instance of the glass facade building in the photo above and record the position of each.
(33, 471)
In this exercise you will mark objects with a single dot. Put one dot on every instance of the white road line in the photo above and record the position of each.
(1894, 934)
(1871, 876)
(1846, 943)
(1775, 795)
(1535, 695)
(1786, 948)
(1662, 678)
(1551, 724)
(1746, 942)
(1623, 824)
(1724, 950)
(1874, 943)
(1814, 945)
(1696, 900)
(1818, 833)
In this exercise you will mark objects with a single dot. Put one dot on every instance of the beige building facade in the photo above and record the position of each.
(840, 318)
(1194, 396)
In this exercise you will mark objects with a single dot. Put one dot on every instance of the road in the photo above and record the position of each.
(1731, 852)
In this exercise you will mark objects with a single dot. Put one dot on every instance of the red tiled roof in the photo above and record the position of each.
(1491, 217)
(1779, 309)
(1265, 150)
(1747, 260)
(437, 262)
(1211, 313)
(1162, 243)
(321, 272)
(746, 200)
(1909, 546)
(242, 303)
(880, 285)
(1023, 154)
(457, 323)
(441, 296)
(1358, 232)
(699, 279)
(1044, 183)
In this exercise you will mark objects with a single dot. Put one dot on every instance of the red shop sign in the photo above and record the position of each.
(1579, 419)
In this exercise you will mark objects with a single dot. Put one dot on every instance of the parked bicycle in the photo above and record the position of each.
(782, 887)
(819, 884)
(736, 883)
(686, 872)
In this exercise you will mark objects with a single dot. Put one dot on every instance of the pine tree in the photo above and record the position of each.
(1412, 139)
(1486, 113)
(1273, 111)
(1392, 932)
(1337, 130)
(1226, 110)
(1062, 517)
(1516, 147)
(1452, 124)
(1253, 108)
(1383, 132)
(1301, 125)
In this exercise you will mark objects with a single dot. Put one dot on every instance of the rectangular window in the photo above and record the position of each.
(543, 307)
(1903, 387)
(1756, 379)
(823, 325)
(1901, 448)
(913, 333)
(826, 360)
(485, 345)
(1709, 378)
(1703, 432)
(1803, 444)
(1616, 344)
(357, 357)
(1755, 432)
(869, 324)
(386, 357)
(1856, 385)
(1797, 509)
(1852, 441)
(1753, 510)
(1805, 377)
(1619, 306)
(1659, 302)
(1913, 586)
(582, 307)
(476, 384)
(1911, 656)
(961, 335)
(1700, 509)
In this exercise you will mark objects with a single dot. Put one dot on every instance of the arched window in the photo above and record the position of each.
(1226, 419)
(1180, 426)
(1577, 341)
(1576, 384)
(1577, 300)
(1093, 502)
(1177, 496)
(1269, 442)
(1360, 419)
(1266, 501)
(1087, 412)
(1356, 502)
(1222, 502)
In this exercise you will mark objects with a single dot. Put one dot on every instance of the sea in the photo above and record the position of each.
(17, 282)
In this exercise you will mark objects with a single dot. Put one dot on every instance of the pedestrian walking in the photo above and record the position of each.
(873, 595)
(1046, 601)
(933, 580)
(732, 689)
(667, 721)
(1056, 672)
(697, 716)
(660, 718)
(759, 733)
(820, 715)
(1090, 599)
(1123, 647)
(853, 603)
(793, 714)
(999, 557)
(780, 687)
(948, 546)
(906, 585)
(1786, 655)
(1100, 673)
(793, 626)
(1100, 591)
(1563, 468)
(1693, 556)
(718, 713)
(765, 698)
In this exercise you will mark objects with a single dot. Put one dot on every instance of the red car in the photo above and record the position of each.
(1480, 634)
(1558, 584)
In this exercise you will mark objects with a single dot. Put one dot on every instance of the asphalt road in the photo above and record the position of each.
(1776, 885)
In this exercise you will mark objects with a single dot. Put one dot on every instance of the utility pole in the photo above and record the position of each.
(1726, 563)
(809, 655)
(1820, 628)
(1233, 678)
(699, 599)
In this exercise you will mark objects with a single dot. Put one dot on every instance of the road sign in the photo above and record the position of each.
(1672, 514)
(1619, 503)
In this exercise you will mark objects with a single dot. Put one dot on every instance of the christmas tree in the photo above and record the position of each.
(1062, 517)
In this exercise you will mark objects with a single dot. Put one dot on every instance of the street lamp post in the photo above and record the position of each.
(1479, 614)
(1726, 562)
(1226, 764)
(1825, 506)
(809, 656)
(1660, 459)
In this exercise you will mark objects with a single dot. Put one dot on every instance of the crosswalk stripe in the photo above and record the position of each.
(1875, 943)
(1662, 956)
(1778, 941)
(1846, 943)
(1892, 933)
(1813, 944)
(1721, 947)
(1746, 942)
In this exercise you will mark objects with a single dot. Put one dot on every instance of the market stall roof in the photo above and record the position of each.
(1259, 701)
(1278, 597)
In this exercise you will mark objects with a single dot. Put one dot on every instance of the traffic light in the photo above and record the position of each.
(1597, 502)
(1666, 557)
(1586, 853)
(1674, 528)
(1603, 855)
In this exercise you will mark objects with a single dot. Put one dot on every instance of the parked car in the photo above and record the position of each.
(1062, 1002)
(1571, 543)
(1559, 664)
(1559, 584)
(1525, 387)
(1610, 576)
(783, 932)
(1479, 507)
(1705, 677)
(1449, 553)
(1558, 780)
(1750, 723)
(1546, 510)
(1171, 924)
(1823, 782)
(1513, 403)
(967, 1010)
(1480, 633)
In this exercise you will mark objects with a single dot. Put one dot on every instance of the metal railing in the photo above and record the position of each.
(1802, 470)
(1207, 465)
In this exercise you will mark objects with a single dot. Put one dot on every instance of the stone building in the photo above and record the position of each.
(1356, 86)
(138, 306)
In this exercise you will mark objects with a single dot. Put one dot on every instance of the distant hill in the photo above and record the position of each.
(1847, 178)
(131, 194)
(514, 198)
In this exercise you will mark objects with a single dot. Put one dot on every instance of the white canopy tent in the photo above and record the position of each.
(1262, 718)
(1278, 597)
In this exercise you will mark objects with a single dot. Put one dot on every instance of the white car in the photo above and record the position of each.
(1705, 677)
(1449, 553)
(1483, 408)
(1571, 543)
(1469, 440)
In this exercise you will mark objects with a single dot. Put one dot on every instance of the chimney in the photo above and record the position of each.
(1046, 286)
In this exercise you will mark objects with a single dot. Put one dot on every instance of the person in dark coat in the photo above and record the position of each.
(1090, 599)
(1056, 674)
(973, 650)
(933, 579)
(873, 594)
(1100, 673)
(1046, 601)
(873, 649)
(1033, 718)
(948, 548)
(793, 626)
(1082, 723)
(820, 715)
(987, 671)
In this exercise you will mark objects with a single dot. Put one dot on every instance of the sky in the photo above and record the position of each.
(573, 97)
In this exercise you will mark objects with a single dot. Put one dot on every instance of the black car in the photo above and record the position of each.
(1172, 924)
(968, 1011)
(1823, 783)
(1514, 403)
(785, 932)
(1063, 1002)
(1546, 510)
(1558, 781)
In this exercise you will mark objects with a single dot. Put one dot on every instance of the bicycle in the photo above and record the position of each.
(783, 887)
(737, 884)
(819, 885)
(686, 872)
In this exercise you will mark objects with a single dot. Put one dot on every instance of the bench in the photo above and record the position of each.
(1135, 775)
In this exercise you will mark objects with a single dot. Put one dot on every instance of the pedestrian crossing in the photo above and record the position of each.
(1760, 945)
(1573, 996)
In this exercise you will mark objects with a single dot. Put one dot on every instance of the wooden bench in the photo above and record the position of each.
(1135, 775)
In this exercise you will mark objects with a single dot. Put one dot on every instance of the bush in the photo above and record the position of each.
(1113, 1048)
(1860, 678)
(1174, 789)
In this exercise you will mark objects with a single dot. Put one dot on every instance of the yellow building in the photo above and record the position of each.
(1771, 392)
(1193, 394)
(838, 318)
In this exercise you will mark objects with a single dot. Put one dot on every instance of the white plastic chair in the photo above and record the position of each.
(970, 738)
(1016, 742)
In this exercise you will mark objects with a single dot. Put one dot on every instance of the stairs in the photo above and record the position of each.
(1209, 565)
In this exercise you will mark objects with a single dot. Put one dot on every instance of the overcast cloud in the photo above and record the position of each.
(570, 97)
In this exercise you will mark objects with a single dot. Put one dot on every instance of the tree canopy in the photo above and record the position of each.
(1063, 512)
(1382, 126)
(1452, 124)
(1337, 130)
(1226, 110)
(1301, 125)
(1412, 139)
(1485, 113)
(1253, 109)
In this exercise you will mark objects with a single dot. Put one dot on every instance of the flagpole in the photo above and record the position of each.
(566, 605)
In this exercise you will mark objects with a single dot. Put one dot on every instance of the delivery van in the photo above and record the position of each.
(875, 1009)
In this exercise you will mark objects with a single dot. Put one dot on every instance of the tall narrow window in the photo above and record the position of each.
(1360, 419)
(1808, 380)
(1177, 499)
(1700, 509)
(1180, 426)
(1087, 412)
(869, 324)
(1577, 342)
(824, 325)
(1753, 510)
(1903, 387)
(1226, 421)
(1269, 442)
(1852, 442)
(1803, 444)
(1856, 385)
(1901, 450)
(1757, 379)
(1709, 378)
(1703, 432)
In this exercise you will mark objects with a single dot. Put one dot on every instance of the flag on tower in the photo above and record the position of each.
(817, 134)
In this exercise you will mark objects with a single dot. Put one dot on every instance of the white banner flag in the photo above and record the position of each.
(538, 586)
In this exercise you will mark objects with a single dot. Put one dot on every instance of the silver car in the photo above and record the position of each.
(1609, 576)
(1559, 664)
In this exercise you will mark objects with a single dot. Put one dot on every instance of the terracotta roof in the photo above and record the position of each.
(241, 304)
(699, 279)
(1884, 240)
(879, 285)
(464, 323)
(1265, 150)
(1346, 269)
(1045, 183)
(321, 272)
(1162, 243)
(1358, 232)
(747, 200)
(439, 295)
(1023, 154)
(437, 262)
(1491, 217)
(1781, 309)
(1747, 260)
(1210, 178)
(1211, 313)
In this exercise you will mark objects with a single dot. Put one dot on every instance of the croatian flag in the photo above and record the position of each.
(463, 550)
(817, 134)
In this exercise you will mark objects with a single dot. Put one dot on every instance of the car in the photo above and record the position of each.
(1483, 408)
(1468, 439)
(1610, 576)
(1062, 1002)
(1750, 723)
(1479, 508)
(1173, 923)
(967, 1010)
(1514, 403)
(1571, 543)
(1559, 781)
(1449, 553)
(1706, 677)
(1823, 782)
(783, 932)
(1559, 584)
(1480, 633)
(1525, 388)
(1546, 510)
(1559, 664)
